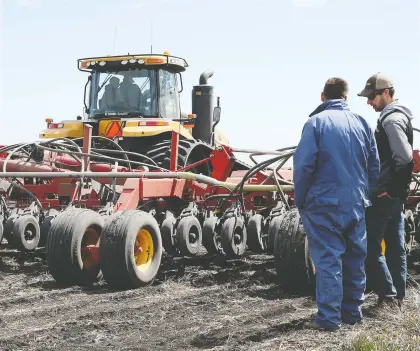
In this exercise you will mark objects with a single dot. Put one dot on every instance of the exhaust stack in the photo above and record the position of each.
(202, 107)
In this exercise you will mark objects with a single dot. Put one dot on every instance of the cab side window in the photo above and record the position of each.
(169, 96)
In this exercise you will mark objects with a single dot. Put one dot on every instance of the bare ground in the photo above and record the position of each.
(195, 304)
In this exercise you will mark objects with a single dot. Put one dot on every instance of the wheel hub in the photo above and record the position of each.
(29, 234)
(237, 239)
(193, 237)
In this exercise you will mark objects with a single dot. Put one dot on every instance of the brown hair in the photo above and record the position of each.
(335, 88)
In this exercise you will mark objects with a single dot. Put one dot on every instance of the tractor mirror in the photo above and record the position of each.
(179, 83)
(216, 114)
(84, 98)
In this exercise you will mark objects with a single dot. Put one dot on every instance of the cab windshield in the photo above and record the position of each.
(124, 93)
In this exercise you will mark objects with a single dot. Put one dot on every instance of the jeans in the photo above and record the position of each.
(385, 220)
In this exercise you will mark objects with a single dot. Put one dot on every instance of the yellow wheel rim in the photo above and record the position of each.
(143, 250)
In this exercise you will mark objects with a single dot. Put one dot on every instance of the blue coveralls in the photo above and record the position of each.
(335, 165)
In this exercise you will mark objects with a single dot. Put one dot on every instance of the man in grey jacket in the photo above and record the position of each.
(385, 219)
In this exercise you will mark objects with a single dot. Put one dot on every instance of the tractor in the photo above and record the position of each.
(134, 101)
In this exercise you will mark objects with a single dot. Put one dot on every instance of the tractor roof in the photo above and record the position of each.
(107, 63)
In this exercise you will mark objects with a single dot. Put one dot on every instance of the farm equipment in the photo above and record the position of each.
(105, 195)
(110, 220)
(412, 205)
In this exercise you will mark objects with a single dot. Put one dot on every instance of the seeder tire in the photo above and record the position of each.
(25, 234)
(1, 230)
(234, 237)
(8, 226)
(130, 250)
(254, 234)
(292, 259)
(189, 236)
(46, 225)
(273, 229)
(211, 241)
(168, 239)
(409, 228)
(70, 233)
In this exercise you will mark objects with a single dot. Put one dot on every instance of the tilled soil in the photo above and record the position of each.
(195, 304)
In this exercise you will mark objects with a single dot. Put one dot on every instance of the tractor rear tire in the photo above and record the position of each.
(131, 249)
(292, 259)
(70, 234)
(189, 151)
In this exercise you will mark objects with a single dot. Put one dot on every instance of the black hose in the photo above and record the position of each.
(258, 167)
(110, 141)
(125, 154)
(107, 158)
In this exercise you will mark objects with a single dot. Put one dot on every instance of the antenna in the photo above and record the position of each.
(151, 36)
(115, 39)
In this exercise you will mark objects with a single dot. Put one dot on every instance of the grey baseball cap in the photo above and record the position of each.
(376, 82)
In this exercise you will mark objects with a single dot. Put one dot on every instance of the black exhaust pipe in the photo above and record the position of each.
(204, 77)
(202, 107)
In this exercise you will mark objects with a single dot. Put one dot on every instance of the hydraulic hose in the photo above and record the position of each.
(258, 168)
(96, 152)
(255, 169)
(109, 158)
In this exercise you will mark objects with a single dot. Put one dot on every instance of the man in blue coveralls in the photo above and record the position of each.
(336, 164)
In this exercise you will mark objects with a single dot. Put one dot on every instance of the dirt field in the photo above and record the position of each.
(195, 304)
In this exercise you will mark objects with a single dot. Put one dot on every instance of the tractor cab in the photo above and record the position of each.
(135, 100)
(139, 86)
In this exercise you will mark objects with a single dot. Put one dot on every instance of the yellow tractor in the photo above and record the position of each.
(134, 100)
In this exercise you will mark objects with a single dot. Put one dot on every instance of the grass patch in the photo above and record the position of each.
(391, 329)
(385, 343)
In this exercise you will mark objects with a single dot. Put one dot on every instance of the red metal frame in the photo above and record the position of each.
(174, 151)
(56, 192)
(87, 143)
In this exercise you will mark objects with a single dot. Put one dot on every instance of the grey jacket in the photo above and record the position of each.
(395, 127)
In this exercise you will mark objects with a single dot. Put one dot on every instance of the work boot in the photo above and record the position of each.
(349, 322)
(384, 301)
(314, 326)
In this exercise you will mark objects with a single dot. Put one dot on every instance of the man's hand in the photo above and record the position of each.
(385, 194)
